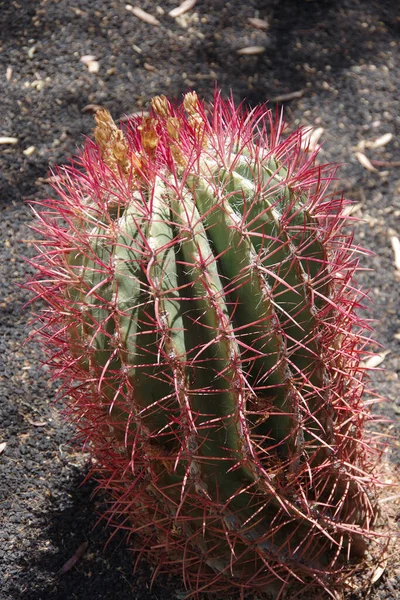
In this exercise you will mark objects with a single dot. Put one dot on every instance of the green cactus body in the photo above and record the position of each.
(203, 305)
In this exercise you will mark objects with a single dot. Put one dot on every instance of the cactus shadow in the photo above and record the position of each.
(104, 571)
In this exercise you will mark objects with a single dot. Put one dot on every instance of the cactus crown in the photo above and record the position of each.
(201, 313)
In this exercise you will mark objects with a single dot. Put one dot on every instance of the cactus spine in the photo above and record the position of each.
(202, 313)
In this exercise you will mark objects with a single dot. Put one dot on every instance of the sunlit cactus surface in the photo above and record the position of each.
(201, 313)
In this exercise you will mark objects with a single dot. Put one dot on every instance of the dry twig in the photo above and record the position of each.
(74, 559)
(288, 96)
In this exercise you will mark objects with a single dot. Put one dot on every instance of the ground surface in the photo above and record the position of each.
(338, 56)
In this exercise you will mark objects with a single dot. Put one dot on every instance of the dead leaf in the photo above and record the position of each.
(8, 140)
(310, 138)
(396, 251)
(93, 67)
(29, 151)
(142, 15)
(92, 108)
(87, 58)
(351, 208)
(36, 423)
(91, 62)
(139, 113)
(377, 574)
(380, 141)
(365, 162)
(48, 180)
(182, 8)
(74, 559)
(258, 23)
(375, 360)
(251, 50)
(360, 146)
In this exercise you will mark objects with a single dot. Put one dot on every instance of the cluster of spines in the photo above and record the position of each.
(128, 244)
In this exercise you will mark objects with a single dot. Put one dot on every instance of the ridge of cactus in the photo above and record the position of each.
(199, 307)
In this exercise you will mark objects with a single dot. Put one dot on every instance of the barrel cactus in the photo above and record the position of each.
(201, 312)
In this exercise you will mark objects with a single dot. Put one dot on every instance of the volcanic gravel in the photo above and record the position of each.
(331, 64)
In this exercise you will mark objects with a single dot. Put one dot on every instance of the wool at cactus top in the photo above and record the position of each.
(201, 313)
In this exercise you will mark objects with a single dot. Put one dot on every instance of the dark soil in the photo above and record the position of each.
(341, 57)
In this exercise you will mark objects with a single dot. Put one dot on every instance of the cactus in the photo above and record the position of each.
(201, 314)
